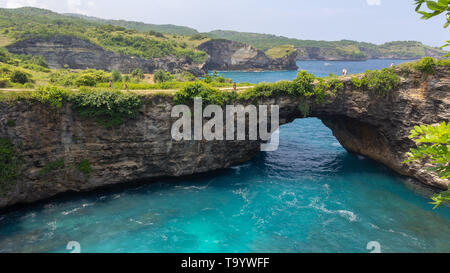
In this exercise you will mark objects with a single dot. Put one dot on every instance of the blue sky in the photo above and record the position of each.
(375, 21)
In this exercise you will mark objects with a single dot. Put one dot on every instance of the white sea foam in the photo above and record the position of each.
(70, 211)
(29, 215)
(52, 225)
(349, 215)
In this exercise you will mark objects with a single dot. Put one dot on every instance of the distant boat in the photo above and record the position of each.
(327, 64)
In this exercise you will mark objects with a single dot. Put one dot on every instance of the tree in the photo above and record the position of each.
(162, 76)
(116, 76)
(138, 74)
(435, 8)
(20, 77)
(433, 146)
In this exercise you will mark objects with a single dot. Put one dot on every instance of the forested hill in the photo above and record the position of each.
(344, 49)
(139, 26)
(151, 41)
(30, 23)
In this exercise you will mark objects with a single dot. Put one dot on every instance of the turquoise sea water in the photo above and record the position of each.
(309, 196)
(318, 68)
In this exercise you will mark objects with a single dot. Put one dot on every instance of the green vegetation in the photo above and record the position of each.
(9, 163)
(18, 76)
(52, 166)
(115, 75)
(426, 66)
(15, 74)
(303, 87)
(152, 41)
(216, 78)
(344, 48)
(35, 63)
(433, 142)
(108, 108)
(380, 81)
(84, 167)
(433, 145)
(134, 39)
(199, 89)
(89, 77)
(436, 8)
(11, 123)
(143, 27)
(138, 74)
(304, 107)
(51, 95)
(162, 76)
(280, 51)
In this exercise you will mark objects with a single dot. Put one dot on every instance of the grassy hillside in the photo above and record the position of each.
(23, 23)
(32, 72)
(152, 41)
(280, 51)
(141, 27)
(403, 49)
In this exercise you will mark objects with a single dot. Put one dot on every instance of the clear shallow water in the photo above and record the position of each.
(309, 196)
(318, 68)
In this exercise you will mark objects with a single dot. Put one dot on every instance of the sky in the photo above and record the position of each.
(375, 21)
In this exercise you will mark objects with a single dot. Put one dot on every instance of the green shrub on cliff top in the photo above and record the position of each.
(108, 108)
(382, 81)
(303, 86)
(51, 95)
(208, 94)
(426, 65)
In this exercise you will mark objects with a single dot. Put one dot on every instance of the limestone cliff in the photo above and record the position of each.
(230, 55)
(364, 123)
(332, 53)
(378, 127)
(80, 54)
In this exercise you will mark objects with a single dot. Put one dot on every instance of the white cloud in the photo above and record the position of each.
(75, 6)
(12, 4)
(373, 2)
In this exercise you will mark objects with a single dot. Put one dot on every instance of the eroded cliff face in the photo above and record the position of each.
(326, 54)
(379, 126)
(80, 54)
(335, 54)
(142, 148)
(229, 55)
